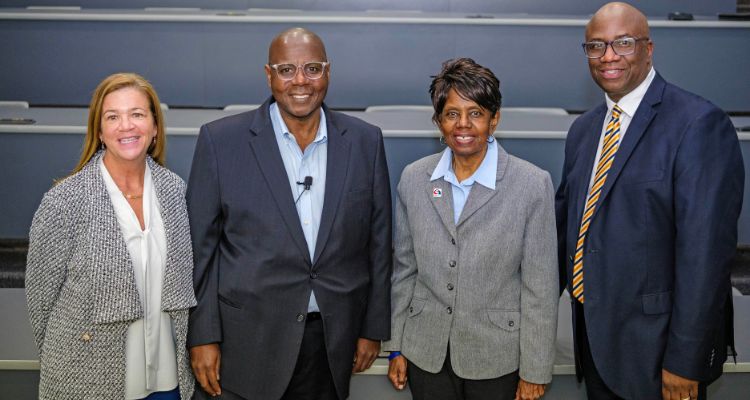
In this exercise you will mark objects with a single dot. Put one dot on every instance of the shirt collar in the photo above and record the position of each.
(630, 102)
(281, 130)
(485, 175)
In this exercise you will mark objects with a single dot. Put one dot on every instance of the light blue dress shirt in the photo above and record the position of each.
(298, 165)
(485, 175)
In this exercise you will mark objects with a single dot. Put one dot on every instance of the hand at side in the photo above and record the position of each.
(205, 361)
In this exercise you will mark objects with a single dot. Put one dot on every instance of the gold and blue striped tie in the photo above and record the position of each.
(609, 149)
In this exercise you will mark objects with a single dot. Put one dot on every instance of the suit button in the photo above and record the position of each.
(453, 241)
(511, 323)
(313, 274)
(300, 317)
(86, 337)
(570, 258)
(449, 286)
(411, 310)
(449, 310)
(452, 264)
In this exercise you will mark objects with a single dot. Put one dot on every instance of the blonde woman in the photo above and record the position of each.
(109, 270)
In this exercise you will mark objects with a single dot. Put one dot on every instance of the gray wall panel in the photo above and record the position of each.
(214, 64)
(30, 167)
(543, 67)
(61, 63)
(233, 63)
(712, 63)
(382, 64)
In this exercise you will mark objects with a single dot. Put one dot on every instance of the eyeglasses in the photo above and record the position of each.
(622, 47)
(311, 70)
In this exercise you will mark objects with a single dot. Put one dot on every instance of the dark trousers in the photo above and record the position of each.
(312, 379)
(596, 389)
(446, 385)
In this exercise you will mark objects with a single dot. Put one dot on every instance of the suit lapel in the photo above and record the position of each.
(444, 203)
(638, 125)
(336, 166)
(479, 194)
(266, 150)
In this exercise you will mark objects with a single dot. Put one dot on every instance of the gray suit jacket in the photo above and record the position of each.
(81, 290)
(487, 285)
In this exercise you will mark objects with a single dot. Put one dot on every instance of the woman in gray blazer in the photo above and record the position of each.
(109, 269)
(474, 297)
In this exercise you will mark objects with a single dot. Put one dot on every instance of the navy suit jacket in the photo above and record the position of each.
(657, 256)
(253, 272)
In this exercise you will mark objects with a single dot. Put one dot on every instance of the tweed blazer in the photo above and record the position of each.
(81, 288)
(486, 286)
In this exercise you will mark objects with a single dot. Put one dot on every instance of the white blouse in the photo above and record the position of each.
(151, 362)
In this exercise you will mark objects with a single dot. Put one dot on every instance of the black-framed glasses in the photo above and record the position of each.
(621, 46)
(311, 70)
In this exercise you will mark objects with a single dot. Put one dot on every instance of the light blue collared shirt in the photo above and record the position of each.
(298, 165)
(485, 175)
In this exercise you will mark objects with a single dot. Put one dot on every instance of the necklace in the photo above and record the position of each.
(132, 196)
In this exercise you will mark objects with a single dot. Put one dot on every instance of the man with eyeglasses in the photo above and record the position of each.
(290, 214)
(647, 213)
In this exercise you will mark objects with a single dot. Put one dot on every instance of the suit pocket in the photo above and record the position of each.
(657, 303)
(640, 176)
(231, 313)
(506, 320)
(229, 303)
(416, 307)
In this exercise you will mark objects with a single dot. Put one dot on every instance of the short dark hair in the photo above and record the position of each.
(470, 80)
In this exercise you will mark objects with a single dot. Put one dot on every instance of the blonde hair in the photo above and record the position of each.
(110, 84)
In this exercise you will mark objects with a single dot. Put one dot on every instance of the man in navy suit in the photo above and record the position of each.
(290, 212)
(647, 214)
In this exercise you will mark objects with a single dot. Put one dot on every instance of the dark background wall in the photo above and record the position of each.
(558, 7)
(212, 64)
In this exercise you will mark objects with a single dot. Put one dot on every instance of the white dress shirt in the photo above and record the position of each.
(151, 362)
(629, 104)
